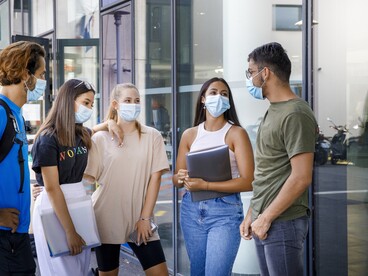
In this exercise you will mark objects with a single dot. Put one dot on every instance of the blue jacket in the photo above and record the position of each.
(10, 173)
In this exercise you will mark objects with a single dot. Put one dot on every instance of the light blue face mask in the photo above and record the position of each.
(83, 114)
(217, 105)
(37, 92)
(255, 91)
(129, 112)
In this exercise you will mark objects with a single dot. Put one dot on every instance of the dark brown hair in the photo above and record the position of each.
(274, 56)
(60, 121)
(17, 59)
(200, 113)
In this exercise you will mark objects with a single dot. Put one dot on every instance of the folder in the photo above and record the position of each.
(83, 217)
(213, 165)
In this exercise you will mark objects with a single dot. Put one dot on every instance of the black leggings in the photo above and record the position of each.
(148, 255)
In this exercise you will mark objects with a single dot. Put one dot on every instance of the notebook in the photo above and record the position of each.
(212, 164)
(83, 217)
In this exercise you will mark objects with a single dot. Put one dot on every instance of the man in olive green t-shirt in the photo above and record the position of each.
(277, 218)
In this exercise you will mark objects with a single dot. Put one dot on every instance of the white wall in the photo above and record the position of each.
(247, 24)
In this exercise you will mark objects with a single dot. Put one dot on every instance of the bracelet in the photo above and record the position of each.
(207, 185)
(150, 218)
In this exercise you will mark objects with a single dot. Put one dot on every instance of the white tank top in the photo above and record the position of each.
(208, 139)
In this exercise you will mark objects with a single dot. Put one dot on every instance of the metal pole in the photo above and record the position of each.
(308, 95)
(174, 131)
(117, 17)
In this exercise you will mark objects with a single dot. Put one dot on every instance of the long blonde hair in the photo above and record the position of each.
(116, 95)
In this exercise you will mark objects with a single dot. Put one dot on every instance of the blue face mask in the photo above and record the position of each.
(255, 91)
(129, 112)
(37, 92)
(83, 114)
(217, 105)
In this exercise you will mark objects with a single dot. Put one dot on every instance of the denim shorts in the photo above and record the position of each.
(211, 233)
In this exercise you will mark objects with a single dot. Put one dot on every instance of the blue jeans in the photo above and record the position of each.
(281, 253)
(211, 233)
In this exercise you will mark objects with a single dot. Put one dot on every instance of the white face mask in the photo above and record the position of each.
(83, 114)
(255, 91)
(37, 92)
(129, 112)
(217, 105)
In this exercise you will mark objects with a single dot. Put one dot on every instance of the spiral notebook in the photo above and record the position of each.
(212, 164)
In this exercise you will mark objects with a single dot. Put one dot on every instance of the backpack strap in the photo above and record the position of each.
(21, 163)
(8, 140)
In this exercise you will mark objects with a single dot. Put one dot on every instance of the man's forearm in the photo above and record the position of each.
(291, 190)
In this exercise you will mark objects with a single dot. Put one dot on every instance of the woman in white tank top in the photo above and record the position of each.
(211, 227)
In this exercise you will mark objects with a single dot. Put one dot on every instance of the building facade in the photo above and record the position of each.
(168, 48)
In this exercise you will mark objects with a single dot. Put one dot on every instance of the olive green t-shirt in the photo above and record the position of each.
(287, 129)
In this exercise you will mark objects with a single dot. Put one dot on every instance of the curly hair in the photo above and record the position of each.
(17, 59)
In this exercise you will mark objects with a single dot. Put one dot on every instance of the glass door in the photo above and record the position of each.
(79, 58)
(341, 96)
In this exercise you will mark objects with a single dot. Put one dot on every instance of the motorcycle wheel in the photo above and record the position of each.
(334, 160)
(321, 157)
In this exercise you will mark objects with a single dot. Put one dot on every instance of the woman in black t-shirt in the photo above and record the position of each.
(60, 155)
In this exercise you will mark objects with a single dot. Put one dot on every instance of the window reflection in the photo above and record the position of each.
(340, 192)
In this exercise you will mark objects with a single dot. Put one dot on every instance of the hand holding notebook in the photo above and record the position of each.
(83, 217)
(212, 164)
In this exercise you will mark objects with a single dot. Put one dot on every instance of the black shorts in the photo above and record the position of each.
(148, 255)
(16, 254)
(107, 256)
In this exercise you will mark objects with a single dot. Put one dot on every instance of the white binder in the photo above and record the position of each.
(83, 217)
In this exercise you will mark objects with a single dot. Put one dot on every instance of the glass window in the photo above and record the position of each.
(105, 3)
(212, 42)
(153, 78)
(77, 19)
(21, 17)
(287, 17)
(82, 62)
(116, 51)
(341, 96)
(4, 24)
(42, 16)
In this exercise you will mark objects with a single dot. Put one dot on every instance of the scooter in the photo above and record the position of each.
(322, 150)
(338, 143)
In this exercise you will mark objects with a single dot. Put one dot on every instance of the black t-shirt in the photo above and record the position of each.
(71, 161)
